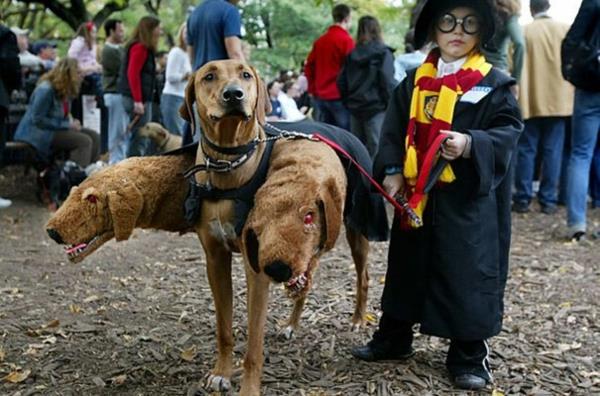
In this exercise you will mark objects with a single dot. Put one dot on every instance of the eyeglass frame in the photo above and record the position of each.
(458, 21)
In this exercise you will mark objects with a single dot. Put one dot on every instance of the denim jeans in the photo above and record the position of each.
(550, 131)
(138, 146)
(586, 126)
(368, 130)
(332, 112)
(118, 138)
(169, 107)
(595, 177)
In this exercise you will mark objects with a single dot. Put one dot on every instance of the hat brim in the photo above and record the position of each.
(434, 8)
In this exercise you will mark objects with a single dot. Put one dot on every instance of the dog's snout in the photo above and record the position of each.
(52, 233)
(279, 271)
(233, 94)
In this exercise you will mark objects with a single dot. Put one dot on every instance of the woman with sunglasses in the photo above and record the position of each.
(447, 141)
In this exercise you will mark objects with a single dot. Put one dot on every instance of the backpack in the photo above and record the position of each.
(581, 61)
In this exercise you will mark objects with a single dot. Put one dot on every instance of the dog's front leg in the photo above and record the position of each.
(294, 321)
(359, 246)
(258, 296)
(218, 267)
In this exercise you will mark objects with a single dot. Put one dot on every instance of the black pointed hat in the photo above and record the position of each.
(433, 9)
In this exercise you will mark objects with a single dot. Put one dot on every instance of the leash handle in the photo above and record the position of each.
(401, 206)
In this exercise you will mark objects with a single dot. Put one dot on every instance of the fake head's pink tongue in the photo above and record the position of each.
(74, 248)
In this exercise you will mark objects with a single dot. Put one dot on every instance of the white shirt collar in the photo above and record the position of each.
(443, 68)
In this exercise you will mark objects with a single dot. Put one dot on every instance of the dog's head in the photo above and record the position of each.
(97, 210)
(288, 230)
(155, 132)
(227, 91)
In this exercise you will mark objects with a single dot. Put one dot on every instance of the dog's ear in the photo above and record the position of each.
(125, 207)
(250, 248)
(186, 110)
(330, 206)
(263, 104)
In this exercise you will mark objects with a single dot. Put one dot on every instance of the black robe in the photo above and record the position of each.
(450, 274)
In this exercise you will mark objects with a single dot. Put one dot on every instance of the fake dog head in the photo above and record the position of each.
(97, 210)
(226, 91)
(296, 218)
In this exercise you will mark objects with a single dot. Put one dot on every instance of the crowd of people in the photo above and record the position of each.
(468, 79)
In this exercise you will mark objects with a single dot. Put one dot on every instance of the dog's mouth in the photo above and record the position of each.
(231, 113)
(78, 251)
(298, 285)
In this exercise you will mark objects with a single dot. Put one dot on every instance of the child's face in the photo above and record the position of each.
(456, 41)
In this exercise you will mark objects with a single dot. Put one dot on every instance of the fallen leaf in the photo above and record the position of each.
(119, 379)
(189, 354)
(371, 317)
(52, 323)
(17, 376)
(74, 308)
(98, 382)
(497, 392)
(91, 299)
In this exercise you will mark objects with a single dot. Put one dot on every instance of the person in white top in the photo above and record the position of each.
(177, 73)
(28, 60)
(289, 108)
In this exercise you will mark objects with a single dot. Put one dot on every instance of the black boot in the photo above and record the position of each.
(468, 364)
(392, 341)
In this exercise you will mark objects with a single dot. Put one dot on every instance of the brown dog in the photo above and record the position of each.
(140, 192)
(231, 103)
(162, 138)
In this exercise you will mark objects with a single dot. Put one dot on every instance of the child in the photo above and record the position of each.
(448, 274)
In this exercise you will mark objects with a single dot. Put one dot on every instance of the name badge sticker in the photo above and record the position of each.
(475, 94)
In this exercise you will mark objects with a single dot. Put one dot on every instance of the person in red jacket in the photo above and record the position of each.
(137, 81)
(323, 65)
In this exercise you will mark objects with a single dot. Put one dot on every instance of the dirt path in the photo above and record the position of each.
(136, 318)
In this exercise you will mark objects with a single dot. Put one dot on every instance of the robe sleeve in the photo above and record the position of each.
(391, 145)
(492, 147)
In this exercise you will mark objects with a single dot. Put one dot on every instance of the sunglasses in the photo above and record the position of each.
(448, 22)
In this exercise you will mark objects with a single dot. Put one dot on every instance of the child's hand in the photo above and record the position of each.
(454, 146)
(394, 184)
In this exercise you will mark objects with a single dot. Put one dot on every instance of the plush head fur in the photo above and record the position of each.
(143, 192)
(297, 214)
(209, 88)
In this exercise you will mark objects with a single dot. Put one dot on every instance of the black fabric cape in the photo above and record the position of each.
(450, 274)
(364, 210)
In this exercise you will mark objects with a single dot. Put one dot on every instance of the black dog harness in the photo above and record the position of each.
(243, 196)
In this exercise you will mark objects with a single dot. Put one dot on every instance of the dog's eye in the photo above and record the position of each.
(246, 75)
(209, 77)
(309, 218)
(92, 198)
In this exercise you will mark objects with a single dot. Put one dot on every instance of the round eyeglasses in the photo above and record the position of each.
(448, 22)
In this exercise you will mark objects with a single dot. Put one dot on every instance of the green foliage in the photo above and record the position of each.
(280, 32)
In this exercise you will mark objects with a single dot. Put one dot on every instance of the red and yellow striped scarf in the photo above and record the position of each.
(431, 110)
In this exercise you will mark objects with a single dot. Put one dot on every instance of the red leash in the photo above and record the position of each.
(399, 203)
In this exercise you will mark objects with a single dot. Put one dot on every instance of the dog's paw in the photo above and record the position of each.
(218, 383)
(287, 332)
(356, 327)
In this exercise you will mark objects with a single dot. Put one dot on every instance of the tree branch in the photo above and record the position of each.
(108, 9)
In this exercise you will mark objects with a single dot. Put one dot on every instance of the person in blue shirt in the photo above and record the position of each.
(214, 32)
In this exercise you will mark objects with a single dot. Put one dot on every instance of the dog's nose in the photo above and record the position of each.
(52, 233)
(279, 271)
(233, 94)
